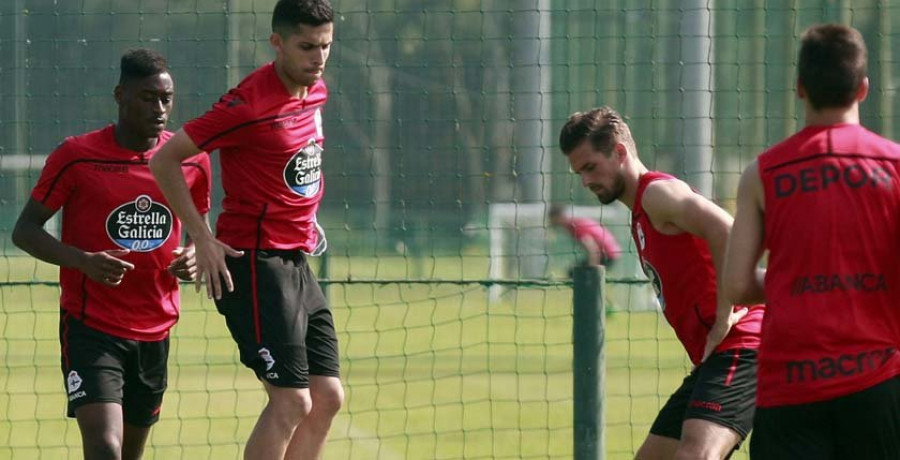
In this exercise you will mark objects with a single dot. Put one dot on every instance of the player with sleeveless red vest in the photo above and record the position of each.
(825, 203)
(681, 238)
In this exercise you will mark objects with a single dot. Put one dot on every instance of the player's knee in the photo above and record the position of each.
(329, 402)
(291, 404)
(107, 446)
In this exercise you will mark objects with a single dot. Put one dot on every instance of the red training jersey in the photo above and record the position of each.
(270, 150)
(581, 228)
(832, 228)
(681, 270)
(110, 200)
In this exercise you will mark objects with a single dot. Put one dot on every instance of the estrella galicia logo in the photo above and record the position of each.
(303, 173)
(653, 275)
(140, 225)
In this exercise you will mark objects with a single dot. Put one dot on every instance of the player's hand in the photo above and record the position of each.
(184, 267)
(210, 256)
(106, 267)
(721, 328)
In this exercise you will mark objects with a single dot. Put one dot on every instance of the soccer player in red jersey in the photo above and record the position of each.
(599, 245)
(680, 237)
(119, 257)
(825, 203)
(268, 131)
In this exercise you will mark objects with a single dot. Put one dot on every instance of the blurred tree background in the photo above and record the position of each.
(440, 108)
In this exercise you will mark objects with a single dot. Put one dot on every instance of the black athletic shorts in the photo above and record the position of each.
(860, 426)
(279, 318)
(98, 367)
(721, 390)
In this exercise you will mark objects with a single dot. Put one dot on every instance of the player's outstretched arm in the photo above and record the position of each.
(209, 252)
(30, 236)
(743, 281)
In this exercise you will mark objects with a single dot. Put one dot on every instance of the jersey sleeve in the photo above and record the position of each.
(58, 180)
(200, 188)
(220, 126)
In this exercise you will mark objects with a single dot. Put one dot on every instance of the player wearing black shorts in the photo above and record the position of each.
(119, 257)
(680, 238)
(288, 334)
(825, 204)
(722, 390)
(268, 131)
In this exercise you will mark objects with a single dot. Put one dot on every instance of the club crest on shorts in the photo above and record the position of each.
(267, 357)
(73, 381)
(141, 225)
(303, 173)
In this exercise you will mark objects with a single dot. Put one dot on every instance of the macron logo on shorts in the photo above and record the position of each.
(73, 382)
(266, 355)
(713, 406)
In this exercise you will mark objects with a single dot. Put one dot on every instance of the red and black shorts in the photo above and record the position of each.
(100, 368)
(861, 425)
(279, 318)
(721, 390)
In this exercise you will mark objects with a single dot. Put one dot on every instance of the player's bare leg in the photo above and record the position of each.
(286, 408)
(657, 448)
(705, 440)
(309, 439)
(134, 440)
(101, 430)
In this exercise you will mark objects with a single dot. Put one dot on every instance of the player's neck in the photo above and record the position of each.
(832, 116)
(631, 185)
(127, 139)
(294, 89)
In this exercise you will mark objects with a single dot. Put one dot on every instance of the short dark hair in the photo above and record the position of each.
(141, 63)
(289, 14)
(602, 126)
(831, 65)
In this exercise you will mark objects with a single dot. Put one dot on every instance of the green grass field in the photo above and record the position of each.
(433, 371)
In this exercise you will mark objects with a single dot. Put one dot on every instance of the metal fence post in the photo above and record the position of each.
(589, 370)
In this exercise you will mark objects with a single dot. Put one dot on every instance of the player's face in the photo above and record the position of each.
(600, 173)
(303, 54)
(145, 104)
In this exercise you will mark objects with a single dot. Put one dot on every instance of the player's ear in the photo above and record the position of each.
(801, 91)
(863, 90)
(276, 41)
(621, 152)
(117, 94)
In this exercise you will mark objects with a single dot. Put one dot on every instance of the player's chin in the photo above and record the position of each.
(309, 80)
(154, 130)
(606, 198)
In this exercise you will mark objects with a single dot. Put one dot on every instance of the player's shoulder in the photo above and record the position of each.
(666, 188)
(666, 199)
(97, 136)
(881, 143)
(248, 93)
(82, 145)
